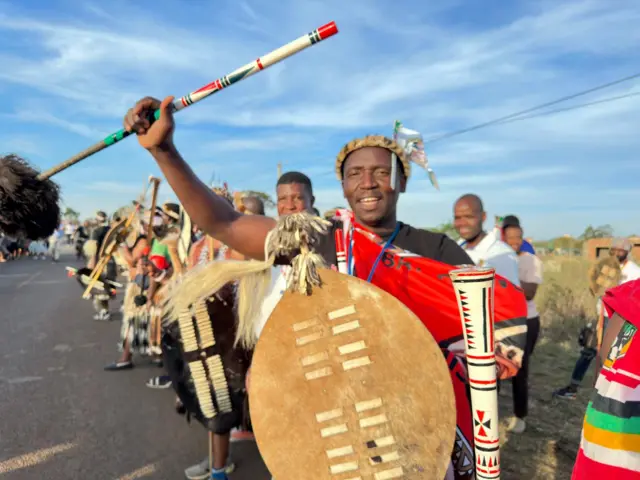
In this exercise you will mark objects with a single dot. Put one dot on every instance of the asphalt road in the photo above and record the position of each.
(61, 416)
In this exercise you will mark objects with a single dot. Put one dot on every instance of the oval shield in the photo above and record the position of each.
(359, 385)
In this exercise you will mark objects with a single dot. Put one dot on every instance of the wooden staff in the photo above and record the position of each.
(474, 292)
(154, 199)
(305, 41)
(110, 249)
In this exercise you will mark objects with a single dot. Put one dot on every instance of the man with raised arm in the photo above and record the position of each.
(373, 171)
(364, 166)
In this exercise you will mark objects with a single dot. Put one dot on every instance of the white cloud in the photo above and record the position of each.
(116, 188)
(410, 62)
(21, 144)
(36, 115)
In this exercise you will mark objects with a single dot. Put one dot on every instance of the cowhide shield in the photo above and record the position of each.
(348, 384)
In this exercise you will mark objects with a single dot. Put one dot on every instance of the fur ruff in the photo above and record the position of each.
(28, 206)
(293, 238)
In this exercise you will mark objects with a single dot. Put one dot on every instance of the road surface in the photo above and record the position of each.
(61, 416)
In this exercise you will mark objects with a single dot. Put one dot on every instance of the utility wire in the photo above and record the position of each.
(574, 107)
(532, 109)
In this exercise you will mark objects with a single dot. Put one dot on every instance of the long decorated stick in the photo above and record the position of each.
(474, 292)
(152, 212)
(241, 73)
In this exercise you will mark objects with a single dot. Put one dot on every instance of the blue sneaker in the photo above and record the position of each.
(219, 475)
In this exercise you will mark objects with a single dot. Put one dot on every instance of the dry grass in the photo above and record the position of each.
(548, 448)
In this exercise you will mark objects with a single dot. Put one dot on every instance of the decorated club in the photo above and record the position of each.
(29, 201)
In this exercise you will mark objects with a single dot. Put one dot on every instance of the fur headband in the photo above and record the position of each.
(372, 141)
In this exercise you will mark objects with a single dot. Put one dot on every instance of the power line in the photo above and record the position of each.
(532, 109)
(574, 107)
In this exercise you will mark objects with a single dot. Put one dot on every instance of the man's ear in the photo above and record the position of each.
(313, 200)
(484, 217)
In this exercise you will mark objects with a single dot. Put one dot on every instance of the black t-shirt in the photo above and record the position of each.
(81, 233)
(432, 245)
(98, 234)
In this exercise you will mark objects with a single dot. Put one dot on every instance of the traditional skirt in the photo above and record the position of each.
(209, 378)
(135, 323)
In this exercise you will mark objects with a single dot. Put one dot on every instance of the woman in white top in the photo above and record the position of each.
(530, 274)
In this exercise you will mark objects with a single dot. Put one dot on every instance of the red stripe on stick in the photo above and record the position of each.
(486, 442)
(327, 30)
(492, 344)
(259, 62)
(482, 382)
(218, 84)
(482, 470)
(481, 357)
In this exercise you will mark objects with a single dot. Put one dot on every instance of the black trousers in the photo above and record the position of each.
(520, 383)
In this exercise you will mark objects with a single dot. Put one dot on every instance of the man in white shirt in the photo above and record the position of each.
(483, 248)
(620, 248)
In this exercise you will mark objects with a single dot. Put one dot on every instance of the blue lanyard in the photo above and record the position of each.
(387, 244)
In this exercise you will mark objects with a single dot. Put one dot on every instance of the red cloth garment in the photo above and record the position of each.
(610, 442)
(159, 261)
(425, 287)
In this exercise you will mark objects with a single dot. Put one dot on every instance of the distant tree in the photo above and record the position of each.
(71, 214)
(602, 231)
(446, 228)
(265, 197)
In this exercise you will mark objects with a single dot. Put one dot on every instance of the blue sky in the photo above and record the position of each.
(70, 70)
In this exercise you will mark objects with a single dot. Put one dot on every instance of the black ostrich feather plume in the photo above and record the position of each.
(28, 206)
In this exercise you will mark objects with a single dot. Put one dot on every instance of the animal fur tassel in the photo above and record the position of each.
(293, 239)
(28, 206)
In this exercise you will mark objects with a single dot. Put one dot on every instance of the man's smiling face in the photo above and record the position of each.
(365, 184)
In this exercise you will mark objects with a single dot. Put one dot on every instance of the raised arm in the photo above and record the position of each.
(243, 233)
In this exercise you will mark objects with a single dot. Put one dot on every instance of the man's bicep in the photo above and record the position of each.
(247, 235)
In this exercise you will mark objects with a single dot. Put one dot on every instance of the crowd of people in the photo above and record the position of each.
(159, 246)
(237, 228)
(69, 232)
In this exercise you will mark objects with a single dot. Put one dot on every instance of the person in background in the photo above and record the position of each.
(621, 249)
(253, 205)
(55, 242)
(513, 221)
(69, 230)
(97, 238)
(80, 236)
(530, 275)
(38, 250)
(294, 192)
(469, 217)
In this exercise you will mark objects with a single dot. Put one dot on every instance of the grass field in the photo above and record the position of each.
(548, 447)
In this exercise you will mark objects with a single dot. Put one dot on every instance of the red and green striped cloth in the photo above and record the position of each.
(610, 444)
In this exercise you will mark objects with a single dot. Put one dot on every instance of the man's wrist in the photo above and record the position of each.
(159, 152)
